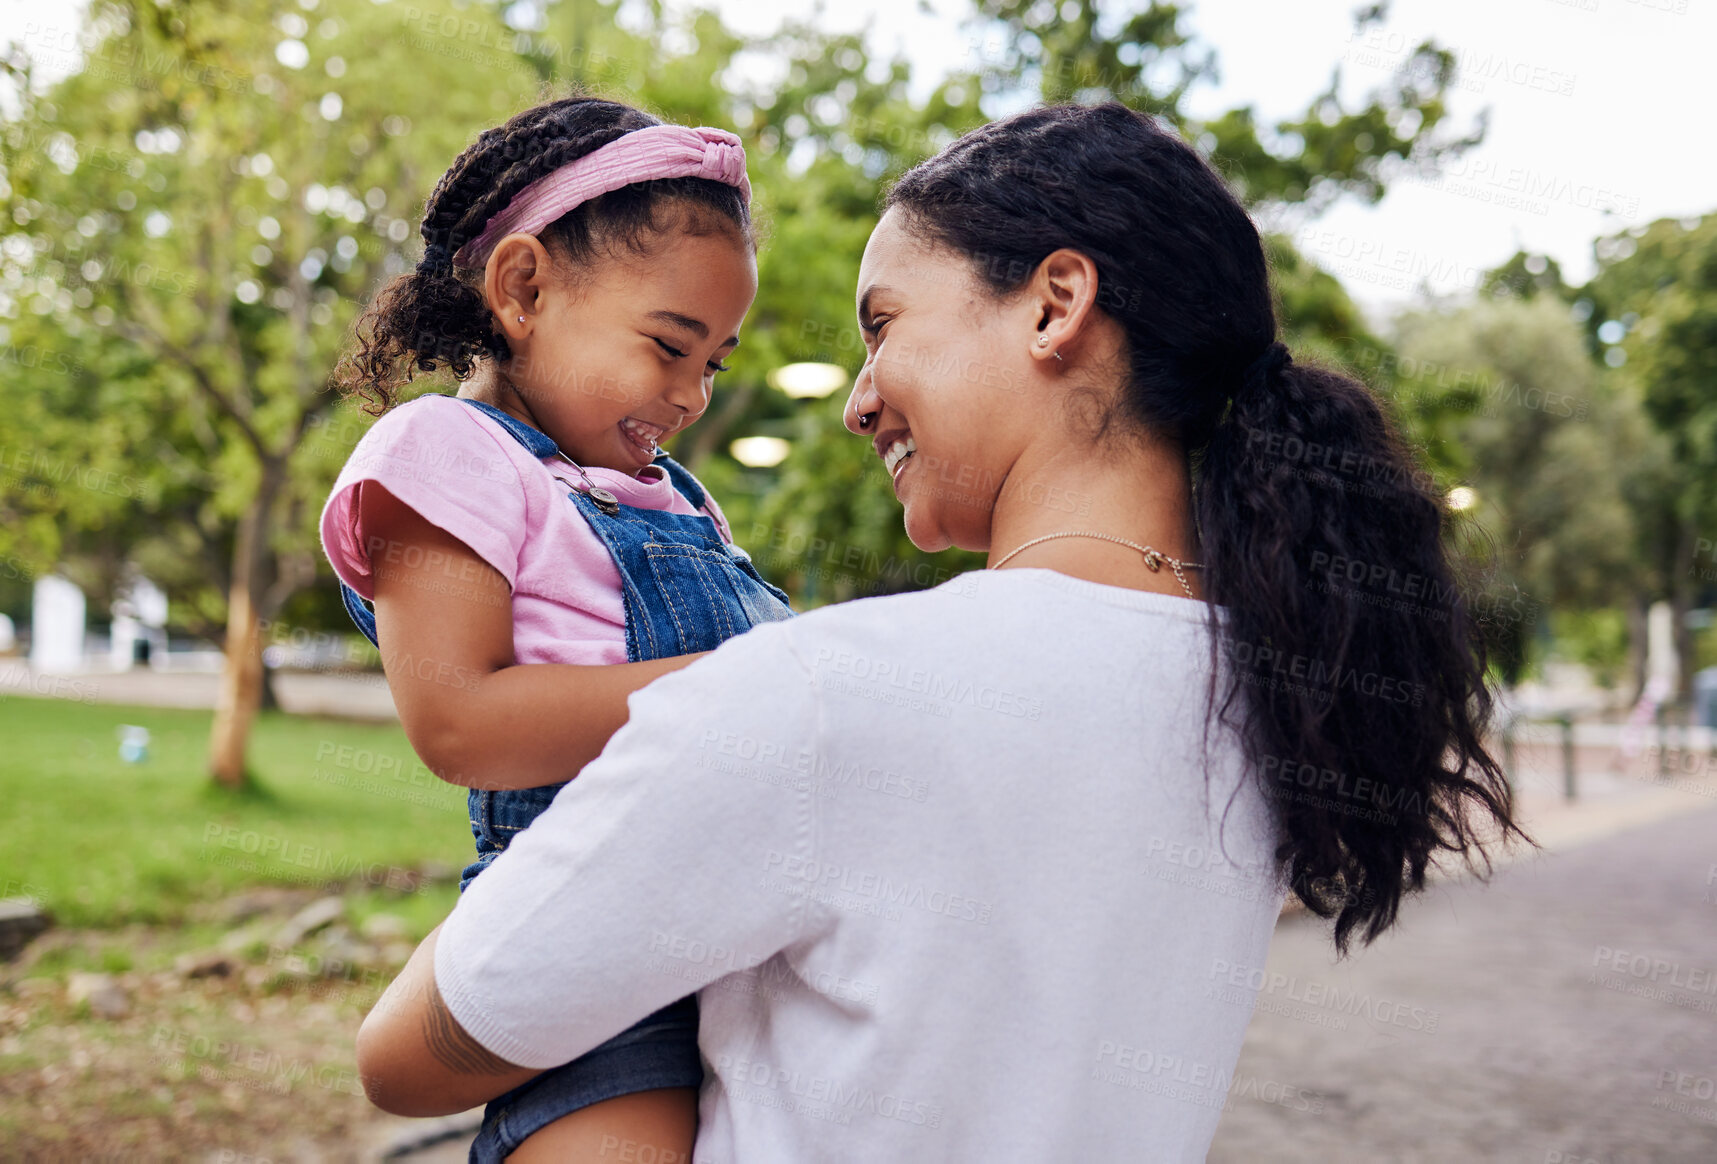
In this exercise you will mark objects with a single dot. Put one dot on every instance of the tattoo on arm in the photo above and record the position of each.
(452, 1045)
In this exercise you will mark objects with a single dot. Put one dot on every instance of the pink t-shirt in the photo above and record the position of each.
(463, 472)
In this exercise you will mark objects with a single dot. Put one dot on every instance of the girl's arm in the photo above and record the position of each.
(444, 617)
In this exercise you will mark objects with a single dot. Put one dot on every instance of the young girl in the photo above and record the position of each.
(586, 269)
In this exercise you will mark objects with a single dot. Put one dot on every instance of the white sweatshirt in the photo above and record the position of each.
(942, 867)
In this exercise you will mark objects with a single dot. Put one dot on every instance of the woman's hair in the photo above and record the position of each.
(1363, 715)
(435, 315)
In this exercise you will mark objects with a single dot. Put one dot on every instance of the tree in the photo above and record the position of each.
(201, 212)
(1653, 315)
(1549, 448)
(196, 214)
(828, 514)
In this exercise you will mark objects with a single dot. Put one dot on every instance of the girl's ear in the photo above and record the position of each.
(514, 280)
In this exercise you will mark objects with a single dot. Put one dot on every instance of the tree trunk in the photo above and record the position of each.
(1681, 601)
(241, 688)
(1638, 638)
(241, 674)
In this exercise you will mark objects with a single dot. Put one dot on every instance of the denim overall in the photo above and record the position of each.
(685, 590)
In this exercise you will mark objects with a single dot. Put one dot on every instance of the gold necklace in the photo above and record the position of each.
(1153, 558)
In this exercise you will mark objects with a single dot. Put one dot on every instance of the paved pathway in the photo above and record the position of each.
(1575, 1004)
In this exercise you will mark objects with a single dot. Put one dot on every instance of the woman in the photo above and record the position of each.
(955, 872)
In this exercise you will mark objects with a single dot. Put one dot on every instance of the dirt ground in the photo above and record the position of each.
(238, 1053)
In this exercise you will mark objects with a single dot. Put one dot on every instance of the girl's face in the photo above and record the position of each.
(612, 361)
(949, 374)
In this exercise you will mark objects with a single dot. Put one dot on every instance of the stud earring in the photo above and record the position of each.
(521, 319)
(1043, 341)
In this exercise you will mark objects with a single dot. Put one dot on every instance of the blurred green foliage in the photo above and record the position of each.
(194, 221)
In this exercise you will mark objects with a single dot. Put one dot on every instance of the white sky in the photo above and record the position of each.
(1597, 112)
(1597, 109)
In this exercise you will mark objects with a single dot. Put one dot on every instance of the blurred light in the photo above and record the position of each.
(1462, 498)
(1611, 331)
(1616, 357)
(157, 224)
(331, 106)
(292, 53)
(760, 452)
(808, 380)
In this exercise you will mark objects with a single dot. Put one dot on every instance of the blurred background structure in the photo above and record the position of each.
(197, 199)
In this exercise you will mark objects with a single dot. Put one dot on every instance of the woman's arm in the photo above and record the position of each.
(445, 620)
(416, 1060)
(584, 925)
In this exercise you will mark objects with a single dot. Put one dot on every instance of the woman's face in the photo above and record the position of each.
(948, 373)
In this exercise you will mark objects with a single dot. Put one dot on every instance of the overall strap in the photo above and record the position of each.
(683, 480)
(539, 444)
(362, 615)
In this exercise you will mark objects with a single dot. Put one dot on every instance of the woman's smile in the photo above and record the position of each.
(898, 454)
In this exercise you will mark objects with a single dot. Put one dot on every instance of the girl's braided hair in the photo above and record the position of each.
(437, 315)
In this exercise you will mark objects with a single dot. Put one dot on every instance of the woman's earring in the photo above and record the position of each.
(521, 319)
(1043, 341)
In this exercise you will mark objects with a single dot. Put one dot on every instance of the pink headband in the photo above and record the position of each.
(659, 151)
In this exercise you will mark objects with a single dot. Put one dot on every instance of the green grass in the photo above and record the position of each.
(102, 842)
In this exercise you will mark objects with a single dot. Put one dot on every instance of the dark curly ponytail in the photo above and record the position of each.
(1350, 664)
(436, 315)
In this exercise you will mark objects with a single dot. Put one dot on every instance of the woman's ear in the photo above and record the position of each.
(1064, 295)
(514, 280)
